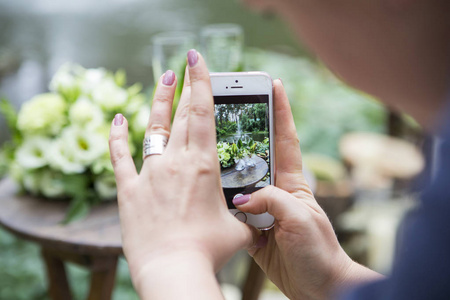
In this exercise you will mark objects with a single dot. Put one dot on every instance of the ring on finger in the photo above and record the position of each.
(154, 144)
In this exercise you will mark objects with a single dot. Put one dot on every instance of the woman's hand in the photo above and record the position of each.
(302, 256)
(176, 227)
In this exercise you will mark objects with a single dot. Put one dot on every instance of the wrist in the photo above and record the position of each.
(353, 274)
(175, 275)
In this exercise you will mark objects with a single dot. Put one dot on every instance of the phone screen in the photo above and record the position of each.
(243, 145)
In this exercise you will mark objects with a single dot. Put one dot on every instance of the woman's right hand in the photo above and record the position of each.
(302, 256)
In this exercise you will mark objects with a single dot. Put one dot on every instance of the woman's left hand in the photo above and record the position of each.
(173, 213)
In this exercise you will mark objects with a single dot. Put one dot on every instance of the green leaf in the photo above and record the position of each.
(120, 78)
(9, 112)
(239, 144)
(134, 89)
(78, 209)
(76, 185)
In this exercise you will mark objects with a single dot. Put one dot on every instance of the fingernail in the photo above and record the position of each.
(118, 120)
(262, 241)
(281, 81)
(241, 200)
(192, 57)
(169, 78)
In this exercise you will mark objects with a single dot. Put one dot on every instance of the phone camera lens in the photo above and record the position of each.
(237, 81)
(226, 87)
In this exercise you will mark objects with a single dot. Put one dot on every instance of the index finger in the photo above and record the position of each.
(201, 128)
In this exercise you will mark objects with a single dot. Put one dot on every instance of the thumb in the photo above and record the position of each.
(277, 202)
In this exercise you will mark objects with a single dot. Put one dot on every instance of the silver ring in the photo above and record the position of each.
(154, 144)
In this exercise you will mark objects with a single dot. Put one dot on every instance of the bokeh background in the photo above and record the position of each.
(38, 36)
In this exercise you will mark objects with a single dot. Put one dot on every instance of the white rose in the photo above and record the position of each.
(51, 184)
(105, 186)
(109, 96)
(86, 114)
(31, 154)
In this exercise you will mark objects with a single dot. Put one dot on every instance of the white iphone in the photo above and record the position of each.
(245, 144)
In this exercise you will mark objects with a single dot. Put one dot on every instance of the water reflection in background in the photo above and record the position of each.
(37, 36)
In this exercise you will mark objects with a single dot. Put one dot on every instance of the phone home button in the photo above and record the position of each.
(241, 216)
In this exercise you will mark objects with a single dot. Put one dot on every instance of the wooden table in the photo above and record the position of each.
(93, 242)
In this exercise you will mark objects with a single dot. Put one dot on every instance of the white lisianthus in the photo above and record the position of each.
(61, 158)
(66, 78)
(51, 184)
(86, 114)
(16, 171)
(109, 96)
(91, 79)
(140, 120)
(85, 146)
(43, 114)
(103, 164)
(32, 153)
(135, 104)
(105, 186)
(31, 182)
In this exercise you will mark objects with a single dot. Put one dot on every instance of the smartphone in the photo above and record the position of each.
(243, 104)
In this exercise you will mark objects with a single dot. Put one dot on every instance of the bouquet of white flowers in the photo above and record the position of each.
(60, 148)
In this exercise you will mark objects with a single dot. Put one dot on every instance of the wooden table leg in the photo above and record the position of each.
(58, 286)
(102, 279)
(254, 282)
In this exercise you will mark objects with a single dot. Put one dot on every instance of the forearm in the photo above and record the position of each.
(178, 277)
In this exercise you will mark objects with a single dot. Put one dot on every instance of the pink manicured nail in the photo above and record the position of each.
(192, 57)
(169, 78)
(281, 81)
(241, 200)
(118, 120)
(262, 241)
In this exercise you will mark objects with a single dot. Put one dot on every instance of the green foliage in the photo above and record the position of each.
(10, 114)
(229, 154)
(225, 128)
(120, 77)
(253, 118)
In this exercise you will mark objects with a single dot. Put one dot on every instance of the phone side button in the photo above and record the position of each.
(241, 216)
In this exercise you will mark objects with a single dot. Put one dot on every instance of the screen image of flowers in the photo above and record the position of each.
(59, 147)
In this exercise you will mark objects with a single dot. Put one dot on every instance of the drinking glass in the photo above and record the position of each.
(222, 46)
(169, 52)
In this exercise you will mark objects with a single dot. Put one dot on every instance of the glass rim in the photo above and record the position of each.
(173, 37)
(224, 28)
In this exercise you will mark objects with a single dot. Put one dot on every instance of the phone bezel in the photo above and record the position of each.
(250, 83)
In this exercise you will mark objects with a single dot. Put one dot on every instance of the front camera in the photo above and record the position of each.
(237, 81)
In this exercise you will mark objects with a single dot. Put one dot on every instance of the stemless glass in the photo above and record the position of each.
(222, 46)
(169, 52)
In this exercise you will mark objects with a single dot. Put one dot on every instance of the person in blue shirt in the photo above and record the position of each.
(176, 228)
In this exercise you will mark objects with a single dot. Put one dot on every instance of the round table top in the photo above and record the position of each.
(39, 220)
(232, 178)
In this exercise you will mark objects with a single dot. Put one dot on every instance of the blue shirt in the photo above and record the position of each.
(421, 267)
